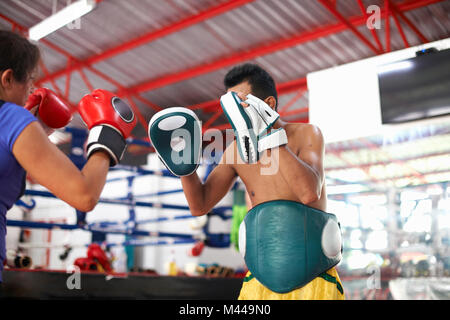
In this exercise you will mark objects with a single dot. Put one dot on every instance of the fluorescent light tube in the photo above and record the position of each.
(397, 66)
(60, 19)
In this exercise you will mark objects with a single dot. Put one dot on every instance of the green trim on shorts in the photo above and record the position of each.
(332, 279)
(249, 277)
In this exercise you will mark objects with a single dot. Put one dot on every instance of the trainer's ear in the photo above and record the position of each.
(271, 101)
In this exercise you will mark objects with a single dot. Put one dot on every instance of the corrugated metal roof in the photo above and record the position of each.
(258, 22)
(239, 31)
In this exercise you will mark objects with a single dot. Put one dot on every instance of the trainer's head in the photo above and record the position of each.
(18, 64)
(251, 78)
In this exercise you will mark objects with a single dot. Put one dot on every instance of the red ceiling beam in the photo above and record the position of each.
(86, 81)
(293, 100)
(227, 126)
(45, 71)
(400, 30)
(283, 88)
(301, 112)
(236, 58)
(291, 86)
(211, 120)
(328, 5)
(294, 112)
(399, 11)
(150, 36)
(387, 26)
(224, 126)
(70, 60)
(287, 87)
(245, 55)
(372, 30)
(141, 119)
(304, 119)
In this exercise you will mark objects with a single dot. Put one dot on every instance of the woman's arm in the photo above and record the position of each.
(51, 168)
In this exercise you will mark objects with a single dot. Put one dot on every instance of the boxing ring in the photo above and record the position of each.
(44, 283)
(130, 227)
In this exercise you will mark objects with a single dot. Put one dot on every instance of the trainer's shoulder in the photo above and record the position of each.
(303, 129)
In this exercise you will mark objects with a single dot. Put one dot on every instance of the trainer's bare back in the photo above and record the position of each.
(265, 183)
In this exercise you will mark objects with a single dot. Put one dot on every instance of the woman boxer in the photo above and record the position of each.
(25, 148)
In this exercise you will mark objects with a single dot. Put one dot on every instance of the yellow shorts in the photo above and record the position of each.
(327, 286)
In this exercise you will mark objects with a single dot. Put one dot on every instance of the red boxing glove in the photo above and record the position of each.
(110, 121)
(197, 249)
(96, 253)
(51, 111)
(86, 264)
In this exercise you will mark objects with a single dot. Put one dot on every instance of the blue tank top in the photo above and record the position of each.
(13, 119)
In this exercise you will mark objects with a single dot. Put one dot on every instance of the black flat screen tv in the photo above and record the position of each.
(416, 88)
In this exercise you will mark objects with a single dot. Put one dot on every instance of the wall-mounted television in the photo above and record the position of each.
(416, 88)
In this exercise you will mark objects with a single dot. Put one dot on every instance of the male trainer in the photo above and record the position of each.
(289, 243)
